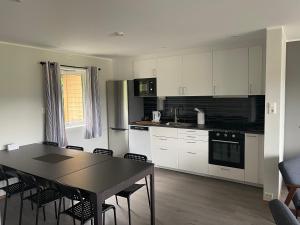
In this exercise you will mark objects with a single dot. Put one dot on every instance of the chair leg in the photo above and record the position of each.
(74, 222)
(44, 213)
(115, 216)
(21, 208)
(58, 213)
(103, 218)
(64, 202)
(30, 193)
(117, 200)
(148, 191)
(55, 209)
(5, 208)
(37, 214)
(129, 212)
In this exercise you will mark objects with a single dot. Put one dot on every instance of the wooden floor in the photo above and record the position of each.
(181, 199)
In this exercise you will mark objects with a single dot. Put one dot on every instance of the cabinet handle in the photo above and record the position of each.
(225, 169)
(191, 136)
(191, 131)
(164, 149)
(254, 136)
(163, 139)
(191, 142)
(192, 153)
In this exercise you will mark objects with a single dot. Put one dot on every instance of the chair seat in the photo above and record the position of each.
(88, 210)
(46, 196)
(15, 188)
(130, 190)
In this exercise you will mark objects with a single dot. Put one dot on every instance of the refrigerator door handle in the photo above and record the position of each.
(118, 129)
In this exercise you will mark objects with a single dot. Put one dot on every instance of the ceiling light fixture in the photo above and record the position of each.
(119, 34)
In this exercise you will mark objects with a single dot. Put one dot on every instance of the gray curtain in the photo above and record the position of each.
(54, 113)
(92, 114)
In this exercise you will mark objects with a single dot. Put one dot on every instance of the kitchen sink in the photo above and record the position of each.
(178, 124)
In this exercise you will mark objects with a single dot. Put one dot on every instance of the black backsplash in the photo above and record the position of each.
(217, 110)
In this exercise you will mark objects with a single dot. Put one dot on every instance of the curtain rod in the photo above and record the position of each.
(76, 67)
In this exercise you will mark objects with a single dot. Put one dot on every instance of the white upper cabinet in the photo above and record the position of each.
(196, 77)
(144, 68)
(230, 72)
(169, 76)
(256, 75)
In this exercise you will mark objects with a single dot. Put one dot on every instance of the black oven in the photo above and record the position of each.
(227, 148)
(145, 87)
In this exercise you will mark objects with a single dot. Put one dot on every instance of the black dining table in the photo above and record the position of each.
(101, 176)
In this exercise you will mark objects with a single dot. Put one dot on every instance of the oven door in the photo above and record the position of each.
(227, 153)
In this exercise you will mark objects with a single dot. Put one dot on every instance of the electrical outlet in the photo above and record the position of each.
(268, 196)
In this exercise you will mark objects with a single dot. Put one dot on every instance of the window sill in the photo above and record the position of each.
(73, 126)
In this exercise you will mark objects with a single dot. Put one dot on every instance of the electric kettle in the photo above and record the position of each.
(156, 116)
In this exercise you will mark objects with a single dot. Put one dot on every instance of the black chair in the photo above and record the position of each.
(41, 198)
(282, 214)
(11, 189)
(55, 144)
(74, 147)
(84, 209)
(290, 174)
(133, 188)
(103, 151)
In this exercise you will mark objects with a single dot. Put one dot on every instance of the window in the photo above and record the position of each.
(72, 96)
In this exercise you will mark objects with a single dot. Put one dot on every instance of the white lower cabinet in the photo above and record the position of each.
(193, 156)
(164, 151)
(227, 172)
(254, 158)
(165, 157)
(188, 150)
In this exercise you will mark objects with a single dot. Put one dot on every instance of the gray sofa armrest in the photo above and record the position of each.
(282, 214)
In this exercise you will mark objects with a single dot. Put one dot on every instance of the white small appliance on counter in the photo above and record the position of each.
(200, 116)
(156, 116)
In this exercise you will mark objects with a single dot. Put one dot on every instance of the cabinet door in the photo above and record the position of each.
(261, 159)
(144, 68)
(251, 158)
(230, 72)
(256, 76)
(169, 76)
(197, 74)
(193, 156)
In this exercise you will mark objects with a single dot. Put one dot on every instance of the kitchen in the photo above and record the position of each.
(200, 113)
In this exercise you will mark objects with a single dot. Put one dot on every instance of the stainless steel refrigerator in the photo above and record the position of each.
(122, 108)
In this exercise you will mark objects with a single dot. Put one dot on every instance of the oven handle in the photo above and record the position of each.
(231, 142)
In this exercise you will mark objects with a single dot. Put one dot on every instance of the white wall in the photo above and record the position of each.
(123, 68)
(292, 104)
(21, 94)
(274, 122)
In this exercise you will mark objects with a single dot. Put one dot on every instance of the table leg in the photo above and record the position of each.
(97, 200)
(152, 198)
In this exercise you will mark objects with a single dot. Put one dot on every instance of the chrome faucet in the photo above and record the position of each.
(175, 114)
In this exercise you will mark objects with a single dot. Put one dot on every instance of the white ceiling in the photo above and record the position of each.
(86, 26)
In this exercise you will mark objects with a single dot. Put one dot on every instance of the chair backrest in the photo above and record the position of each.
(27, 179)
(136, 157)
(3, 176)
(55, 144)
(70, 192)
(74, 147)
(103, 151)
(282, 214)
